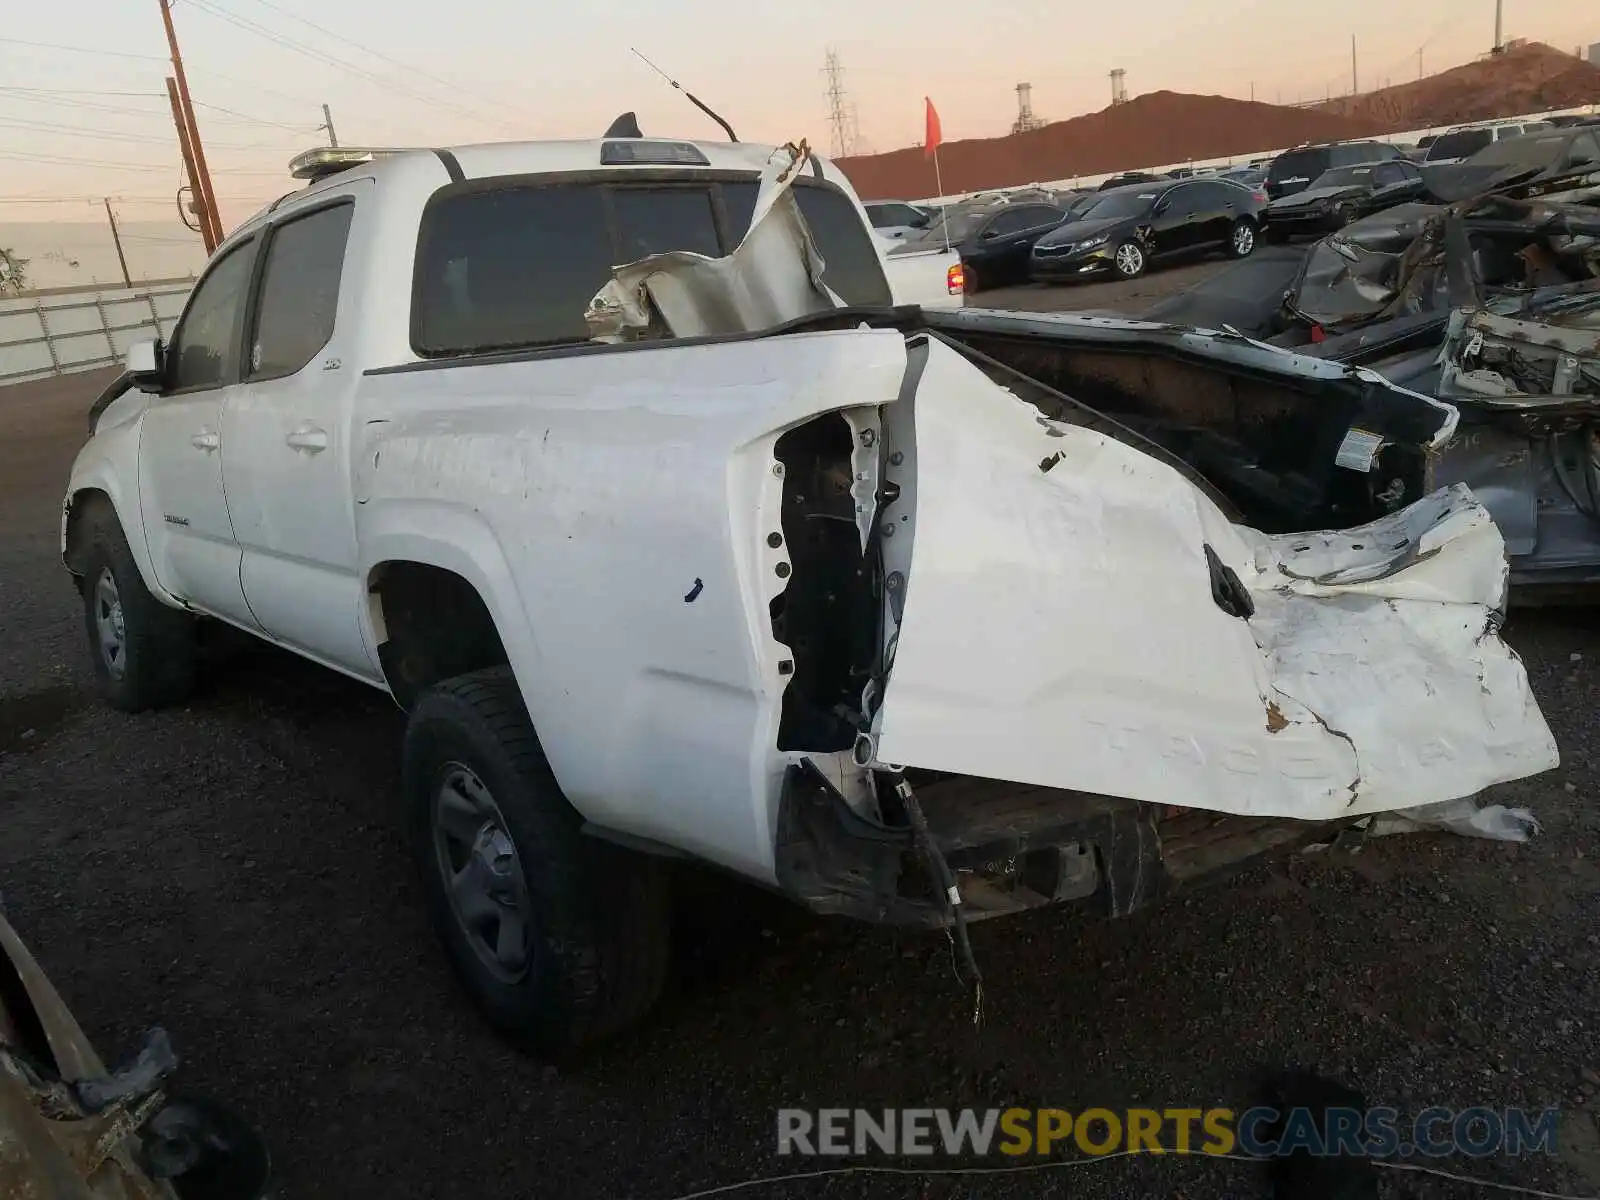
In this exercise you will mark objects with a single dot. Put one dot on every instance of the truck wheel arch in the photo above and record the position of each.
(459, 574)
(83, 499)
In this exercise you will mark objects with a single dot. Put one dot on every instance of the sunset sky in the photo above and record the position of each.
(83, 113)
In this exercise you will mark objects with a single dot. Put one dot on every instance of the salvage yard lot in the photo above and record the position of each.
(233, 869)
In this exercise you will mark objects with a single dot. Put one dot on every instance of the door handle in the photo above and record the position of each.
(205, 440)
(308, 438)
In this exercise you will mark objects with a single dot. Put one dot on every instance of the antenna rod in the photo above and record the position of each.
(690, 96)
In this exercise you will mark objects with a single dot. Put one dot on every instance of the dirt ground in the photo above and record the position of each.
(233, 870)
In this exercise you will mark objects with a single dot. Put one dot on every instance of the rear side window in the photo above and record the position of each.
(516, 266)
(299, 292)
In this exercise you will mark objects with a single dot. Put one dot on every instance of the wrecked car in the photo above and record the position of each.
(1342, 195)
(720, 555)
(1384, 292)
(1559, 164)
(70, 1129)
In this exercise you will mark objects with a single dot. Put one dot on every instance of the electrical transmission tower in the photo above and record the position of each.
(841, 113)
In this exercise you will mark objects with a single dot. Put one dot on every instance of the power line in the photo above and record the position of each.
(64, 160)
(324, 57)
(113, 135)
(255, 120)
(73, 91)
(378, 54)
(79, 49)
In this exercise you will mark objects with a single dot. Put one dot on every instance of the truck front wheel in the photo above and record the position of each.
(560, 938)
(143, 651)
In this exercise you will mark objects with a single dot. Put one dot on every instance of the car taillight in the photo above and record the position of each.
(1260, 194)
(955, 280)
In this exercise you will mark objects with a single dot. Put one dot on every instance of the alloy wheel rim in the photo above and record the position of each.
(482, 873)
(1129, 260)
(1244, 239)
(110, 625)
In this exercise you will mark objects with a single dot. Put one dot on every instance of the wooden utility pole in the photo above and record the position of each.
(1354, 86)
(116, 239)
(327, 123)
(207, 236)
(209, 217)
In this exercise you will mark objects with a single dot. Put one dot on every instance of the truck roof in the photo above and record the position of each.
(327, 167)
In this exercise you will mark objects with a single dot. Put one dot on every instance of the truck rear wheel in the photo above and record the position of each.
(143, 651)
(560, 938)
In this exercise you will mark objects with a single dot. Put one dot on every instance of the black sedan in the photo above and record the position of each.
(994, 250)
(1130, 227)
(1345, 194)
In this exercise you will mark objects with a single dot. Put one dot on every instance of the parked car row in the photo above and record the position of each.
(1139, 219)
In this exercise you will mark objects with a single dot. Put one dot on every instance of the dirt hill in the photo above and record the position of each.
(1528, 78)
(1159, 127)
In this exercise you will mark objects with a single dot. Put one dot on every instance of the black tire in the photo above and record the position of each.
(598, 915)
(154, 664)
(1129, 265)
(1241, 239)
(1343, 215)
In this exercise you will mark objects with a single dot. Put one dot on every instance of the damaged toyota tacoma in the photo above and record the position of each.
(718, 554)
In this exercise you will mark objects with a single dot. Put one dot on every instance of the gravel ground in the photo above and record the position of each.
(233, 869)
(1130, 296)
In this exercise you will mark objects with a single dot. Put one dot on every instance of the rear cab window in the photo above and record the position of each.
(512, 263)
(1461, 144)
(1299, 165)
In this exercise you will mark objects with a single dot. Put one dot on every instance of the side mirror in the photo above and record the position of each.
(990, 233)
(145, 362)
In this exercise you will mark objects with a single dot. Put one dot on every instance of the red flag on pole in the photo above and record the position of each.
(930, 143)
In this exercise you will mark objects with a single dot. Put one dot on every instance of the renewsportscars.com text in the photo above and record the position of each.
(1263, 1132)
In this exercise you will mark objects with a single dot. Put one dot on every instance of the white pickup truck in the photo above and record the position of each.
(720, 555)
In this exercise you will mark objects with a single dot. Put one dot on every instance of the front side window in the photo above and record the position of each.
(206, 340)
(1181, 202)
(299, 292)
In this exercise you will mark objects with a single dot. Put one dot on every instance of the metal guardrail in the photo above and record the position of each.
(41, 336)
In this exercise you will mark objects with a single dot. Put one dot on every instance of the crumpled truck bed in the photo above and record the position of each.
(1078, 615)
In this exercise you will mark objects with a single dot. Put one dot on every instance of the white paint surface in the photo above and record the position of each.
(1060, 631)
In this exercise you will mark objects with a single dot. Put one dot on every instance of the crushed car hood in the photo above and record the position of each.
(1078, 615)
(1311, 197)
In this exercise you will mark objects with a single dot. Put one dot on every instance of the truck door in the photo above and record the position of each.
(287, 439)
(182, 504)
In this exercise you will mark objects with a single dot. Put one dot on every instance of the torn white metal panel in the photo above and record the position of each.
(774, 275)
(1398, 557)
(1060, 630)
